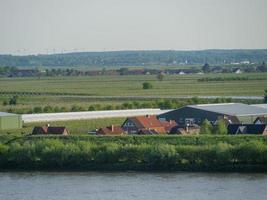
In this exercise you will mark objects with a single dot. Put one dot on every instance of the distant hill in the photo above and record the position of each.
(136, 58)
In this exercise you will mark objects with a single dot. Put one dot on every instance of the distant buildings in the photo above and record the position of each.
(47, 129)
(196, 114)
(110, 130)
(247, 129)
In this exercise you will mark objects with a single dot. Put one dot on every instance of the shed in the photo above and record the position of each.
(196, 114)
(10, 121)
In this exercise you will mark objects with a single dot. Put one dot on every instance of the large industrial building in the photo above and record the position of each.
(10, 121)
(196, 114)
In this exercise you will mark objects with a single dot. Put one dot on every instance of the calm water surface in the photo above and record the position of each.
(128, 186)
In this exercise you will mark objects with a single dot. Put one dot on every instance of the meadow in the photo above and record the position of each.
(111, 92)
(123, 86)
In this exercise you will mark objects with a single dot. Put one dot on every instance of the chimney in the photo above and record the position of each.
(187, 129)
(112, 128)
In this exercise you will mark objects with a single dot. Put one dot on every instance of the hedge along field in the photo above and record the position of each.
(172, 85)
(62, 154)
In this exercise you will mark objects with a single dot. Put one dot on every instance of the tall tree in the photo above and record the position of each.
(220, 128)
(206, 127)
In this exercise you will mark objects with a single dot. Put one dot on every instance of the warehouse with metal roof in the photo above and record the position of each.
(10, 121)
(196, 114)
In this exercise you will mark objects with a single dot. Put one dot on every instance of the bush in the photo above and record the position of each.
(206, 127)
(147, 85)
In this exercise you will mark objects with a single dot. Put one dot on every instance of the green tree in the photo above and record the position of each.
(37, 109)
(13, 100)
(147, 85)
(4, 103)
(206, 68)
(220, 128)
(160, 77)
(206, 127)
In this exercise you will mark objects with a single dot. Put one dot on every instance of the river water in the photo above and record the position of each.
(128, 186)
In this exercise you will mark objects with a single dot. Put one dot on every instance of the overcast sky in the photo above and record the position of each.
(47, 26)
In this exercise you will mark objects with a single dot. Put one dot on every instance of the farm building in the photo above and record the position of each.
(57, 130)
(247, 129)
(10, 121)
(196, 114)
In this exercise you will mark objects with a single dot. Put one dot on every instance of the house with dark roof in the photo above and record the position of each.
(110, 130)
(148, 124)
(196, 114)
(261, 120)
(234, 129)
(47, 129)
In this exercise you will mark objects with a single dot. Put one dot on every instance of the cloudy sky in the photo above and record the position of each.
(47, 26)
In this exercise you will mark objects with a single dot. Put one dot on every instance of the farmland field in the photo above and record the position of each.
(110, 92)
(172, 85)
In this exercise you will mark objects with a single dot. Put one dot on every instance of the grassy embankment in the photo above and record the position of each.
(165, 153)
(110, 92)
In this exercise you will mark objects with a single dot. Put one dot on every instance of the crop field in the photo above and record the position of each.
(110, 92)
(112, 86)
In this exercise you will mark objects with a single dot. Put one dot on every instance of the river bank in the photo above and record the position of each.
(137, 153)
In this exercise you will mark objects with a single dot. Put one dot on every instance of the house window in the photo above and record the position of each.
(189, 121)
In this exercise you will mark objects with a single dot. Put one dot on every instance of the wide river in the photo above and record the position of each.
(124, 186)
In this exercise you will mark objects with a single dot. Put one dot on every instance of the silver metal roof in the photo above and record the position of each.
(260, 105)
(235, 109)
(3, 114)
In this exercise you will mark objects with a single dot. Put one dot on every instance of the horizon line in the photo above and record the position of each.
(132, 50)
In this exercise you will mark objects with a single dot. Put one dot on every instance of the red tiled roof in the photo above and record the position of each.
(149, 121)
(110, 130)
(168, 125)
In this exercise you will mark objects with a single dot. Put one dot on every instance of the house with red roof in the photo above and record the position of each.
(148, 124)
(110, 130)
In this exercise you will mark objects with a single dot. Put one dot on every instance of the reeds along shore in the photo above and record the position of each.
(140, 153)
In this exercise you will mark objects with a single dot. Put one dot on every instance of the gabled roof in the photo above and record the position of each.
(110, 130)
(168, 125)
(56, 130)
(145, 122)
(49, 130)
(233, 109)
(246, 128)
(261, 119)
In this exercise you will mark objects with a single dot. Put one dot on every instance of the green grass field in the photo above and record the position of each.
(74, 126)
(172, 85)
(115, 90)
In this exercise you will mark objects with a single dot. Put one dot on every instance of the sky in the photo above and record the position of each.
(59, 26)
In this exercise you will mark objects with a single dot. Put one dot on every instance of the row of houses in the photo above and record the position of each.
(147, 125)
(239, 119)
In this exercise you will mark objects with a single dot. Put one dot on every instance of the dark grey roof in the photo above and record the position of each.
(4, 114)
(246, 128)
(234, 109)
